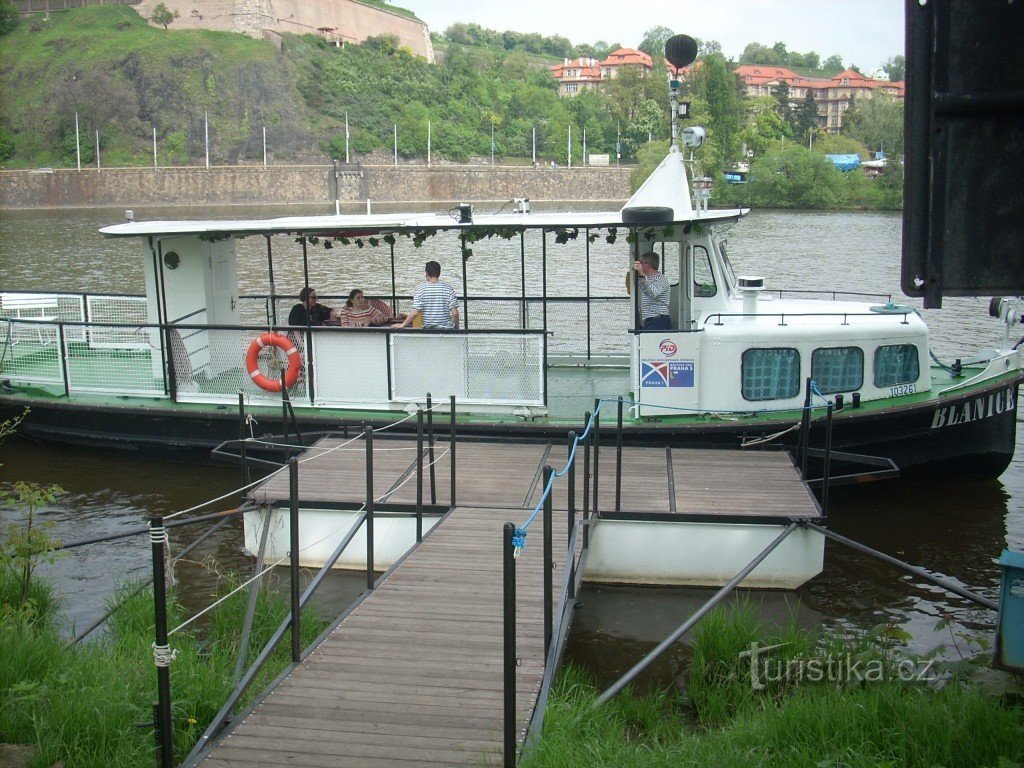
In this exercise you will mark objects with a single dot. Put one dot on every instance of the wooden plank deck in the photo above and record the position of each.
(704, 481)
(413, 676)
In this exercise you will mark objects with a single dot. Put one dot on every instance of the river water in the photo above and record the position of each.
(956, 529)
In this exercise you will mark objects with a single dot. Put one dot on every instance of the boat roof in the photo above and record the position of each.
(666, 187)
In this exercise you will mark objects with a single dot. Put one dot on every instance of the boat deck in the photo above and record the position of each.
(508, 476)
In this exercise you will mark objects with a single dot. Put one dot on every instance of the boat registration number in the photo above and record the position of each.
(902, 389)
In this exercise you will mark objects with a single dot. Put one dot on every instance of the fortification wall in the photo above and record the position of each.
(344, 21)
(303, 184)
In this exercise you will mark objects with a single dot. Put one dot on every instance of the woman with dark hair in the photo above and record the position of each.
(360, 313)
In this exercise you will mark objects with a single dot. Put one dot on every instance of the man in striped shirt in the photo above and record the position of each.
(435, 301)
(654, 311)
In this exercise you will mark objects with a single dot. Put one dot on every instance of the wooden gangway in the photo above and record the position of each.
(412, 676)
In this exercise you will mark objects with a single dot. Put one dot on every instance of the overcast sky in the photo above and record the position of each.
(862, 32)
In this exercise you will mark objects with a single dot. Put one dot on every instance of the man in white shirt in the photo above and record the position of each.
(435, 301)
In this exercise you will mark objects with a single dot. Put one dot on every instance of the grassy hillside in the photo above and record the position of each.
(124, 78)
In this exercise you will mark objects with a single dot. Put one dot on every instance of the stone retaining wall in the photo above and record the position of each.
(303, 184)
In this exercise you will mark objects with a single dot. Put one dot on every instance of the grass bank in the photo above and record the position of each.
(734, 713)
(87, 706)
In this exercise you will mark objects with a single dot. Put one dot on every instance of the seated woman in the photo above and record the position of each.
(360, 313)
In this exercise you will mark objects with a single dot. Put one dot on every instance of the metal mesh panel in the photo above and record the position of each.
(117, 309)
(114, 369)
(567, 325)
(503, 369)
(28, 354)
(209, 366)
(350, 366)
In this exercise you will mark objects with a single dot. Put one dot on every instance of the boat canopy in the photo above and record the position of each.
(667, 187)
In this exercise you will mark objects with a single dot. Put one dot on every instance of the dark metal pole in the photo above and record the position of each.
(368, 431)
(549, 565)
(272, 315)
(805, 430)
(618, 457)
(522, 279)
(394, 284)
(509, 678)
(597, 451)
(293, 533)
(65, 375)
(921, 573)
(452, 449)
(430, 451)
(587, 241)
(465, 283)
(826, 468)
(284, 415)
(586, 479)
(572, 482)
(687, 625)
(419, 474)
(241, 437)
(162, 651)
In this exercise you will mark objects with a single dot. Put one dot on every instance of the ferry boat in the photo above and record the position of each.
(163, 373)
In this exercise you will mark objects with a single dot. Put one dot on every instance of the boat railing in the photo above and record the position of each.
(836, 295)
(783, 317)
(372, 368)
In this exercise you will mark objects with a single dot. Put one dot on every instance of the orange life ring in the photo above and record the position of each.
(252, 361)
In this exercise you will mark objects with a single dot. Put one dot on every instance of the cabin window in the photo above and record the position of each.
(771, 374)
(838, 369)
(896, 364)
(703, 276)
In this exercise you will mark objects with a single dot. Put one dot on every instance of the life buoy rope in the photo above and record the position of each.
(252, 364)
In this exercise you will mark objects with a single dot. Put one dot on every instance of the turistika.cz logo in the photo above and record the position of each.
(843, 669)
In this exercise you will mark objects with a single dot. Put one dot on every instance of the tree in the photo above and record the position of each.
(8, 16)
(781, 95)
(833, 63)
(877, 123)
(718, 105)
(653, 43)
(6, 143)
(163, 15)
(895, 67)
(708, 47)
(812, 60)
(805, 116)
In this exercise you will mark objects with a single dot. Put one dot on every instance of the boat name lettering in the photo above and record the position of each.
(668, 348)
(902, 389)
(983, 407)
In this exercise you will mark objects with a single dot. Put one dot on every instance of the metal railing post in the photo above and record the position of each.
(430, 443)
(509, 651)
(241, 438)
(549, 565)
(805, 430)
(284, 416)
(419, 474)
(452, 449)
(571, 477)
(618, 456)
(597, 453)
(826, 467)
(586, 479)
(368, 431)
(162, 651)
(293, 536)
(62, 346)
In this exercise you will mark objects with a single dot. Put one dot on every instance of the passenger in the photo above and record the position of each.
(309, 312)
(435, 301)
(360, 313)
(654, 288)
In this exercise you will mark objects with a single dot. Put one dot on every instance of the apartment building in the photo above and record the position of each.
(576, 75)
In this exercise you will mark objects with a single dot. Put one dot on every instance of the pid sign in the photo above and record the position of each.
(668, 348)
